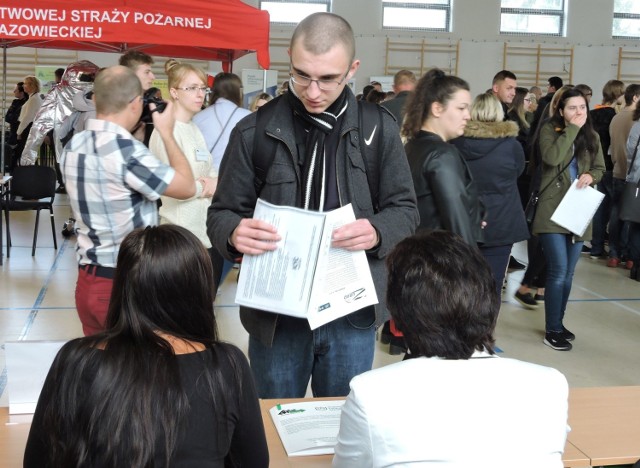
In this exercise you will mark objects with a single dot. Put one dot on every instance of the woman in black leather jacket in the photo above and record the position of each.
(447, 196)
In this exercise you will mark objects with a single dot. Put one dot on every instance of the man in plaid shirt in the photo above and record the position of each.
(113, 182)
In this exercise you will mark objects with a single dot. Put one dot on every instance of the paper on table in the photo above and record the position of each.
(305, 277)
(577, 208)
(308, 428)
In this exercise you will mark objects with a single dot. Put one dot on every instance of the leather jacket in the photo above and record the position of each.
(447, 196)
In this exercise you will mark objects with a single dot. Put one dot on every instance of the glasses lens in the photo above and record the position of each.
(300, 80)
(328, 85)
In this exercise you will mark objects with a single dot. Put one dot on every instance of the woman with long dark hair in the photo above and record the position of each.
(156, 388)
(570, 150)
(447, 197)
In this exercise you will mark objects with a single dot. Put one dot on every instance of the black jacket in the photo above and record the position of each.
(446, 193)
(496, 159)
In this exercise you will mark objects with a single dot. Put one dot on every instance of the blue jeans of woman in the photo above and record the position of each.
(561, 254)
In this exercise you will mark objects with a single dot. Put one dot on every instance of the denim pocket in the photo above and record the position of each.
(363, 319)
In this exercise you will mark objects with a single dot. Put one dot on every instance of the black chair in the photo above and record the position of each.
(32, 188)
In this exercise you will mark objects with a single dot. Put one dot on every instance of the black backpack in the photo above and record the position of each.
(369, 118)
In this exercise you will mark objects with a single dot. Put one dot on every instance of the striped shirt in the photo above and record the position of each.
(113, 181)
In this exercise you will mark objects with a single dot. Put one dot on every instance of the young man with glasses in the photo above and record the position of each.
(113, 182)
(317, 165)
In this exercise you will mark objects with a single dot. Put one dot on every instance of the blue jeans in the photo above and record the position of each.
(561, 254)
(601, 218)
(330, 355)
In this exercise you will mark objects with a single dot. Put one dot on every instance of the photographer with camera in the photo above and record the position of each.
(141, 63)
(113, 182)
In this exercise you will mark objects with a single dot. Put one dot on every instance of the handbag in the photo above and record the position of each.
(630, 200)
(532, 204)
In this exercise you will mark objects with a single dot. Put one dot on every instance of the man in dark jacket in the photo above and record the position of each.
(404, 82)
(318, 165)
(555, 83)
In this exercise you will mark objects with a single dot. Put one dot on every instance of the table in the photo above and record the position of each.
(605, 423)
(572, 456)
(5, 186)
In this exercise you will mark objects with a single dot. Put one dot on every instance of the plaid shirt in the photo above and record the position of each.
(113, 181)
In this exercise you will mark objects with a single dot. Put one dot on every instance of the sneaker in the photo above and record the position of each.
(515, 264)
(629, 264)
(567, 334)
(539, 297)
(586, 249)
(61, 189)
(557, 341)
(613, 262)
(596, 255)
(526, 300)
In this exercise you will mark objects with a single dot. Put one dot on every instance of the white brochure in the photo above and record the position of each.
(577, 208)
(308, 428)
(305, 277)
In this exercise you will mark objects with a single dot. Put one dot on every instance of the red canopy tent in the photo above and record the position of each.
(216, 30)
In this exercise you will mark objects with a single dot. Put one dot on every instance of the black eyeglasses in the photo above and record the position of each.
(325, 85)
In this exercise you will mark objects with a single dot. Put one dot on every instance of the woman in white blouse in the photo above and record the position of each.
(453, 402)
(188, 89)
(28, 112)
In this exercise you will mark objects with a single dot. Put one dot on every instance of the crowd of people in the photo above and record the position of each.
(164, 208)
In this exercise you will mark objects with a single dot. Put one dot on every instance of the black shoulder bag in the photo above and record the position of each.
(532, 204)
(630, 202)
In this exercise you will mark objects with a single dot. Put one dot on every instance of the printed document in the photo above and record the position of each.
(577, 208)
(305, 277)
(308, 428)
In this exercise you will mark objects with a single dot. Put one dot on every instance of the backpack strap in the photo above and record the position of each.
(264, 148)
(370, 123)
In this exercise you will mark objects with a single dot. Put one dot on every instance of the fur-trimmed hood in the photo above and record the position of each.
(483, 138)
(476, 129)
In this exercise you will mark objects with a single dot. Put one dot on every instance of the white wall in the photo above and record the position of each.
(475, 25)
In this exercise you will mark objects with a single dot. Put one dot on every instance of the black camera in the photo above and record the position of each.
(151, 95)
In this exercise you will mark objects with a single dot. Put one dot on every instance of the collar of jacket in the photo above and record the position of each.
(477, 129)
(281, 126)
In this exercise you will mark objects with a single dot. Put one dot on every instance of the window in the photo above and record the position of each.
(430, 15)
(293, 11)
(545, 17)
(626, 19)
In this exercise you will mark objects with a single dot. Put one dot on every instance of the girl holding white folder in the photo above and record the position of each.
(569, 150)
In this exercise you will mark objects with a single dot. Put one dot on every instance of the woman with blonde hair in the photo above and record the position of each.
(495, 159)
(260, 100)
(28, 112)
(187, 89)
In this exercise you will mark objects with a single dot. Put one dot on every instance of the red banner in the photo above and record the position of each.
(204, 29)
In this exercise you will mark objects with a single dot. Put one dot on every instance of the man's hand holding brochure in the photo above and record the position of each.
(305, 276)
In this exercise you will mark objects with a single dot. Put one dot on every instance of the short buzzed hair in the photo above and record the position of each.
(114, 89)
(503, 75)
(404, 77)
(320, 32)
(133, 58)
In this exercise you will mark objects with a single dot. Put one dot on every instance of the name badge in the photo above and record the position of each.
(202, 155)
